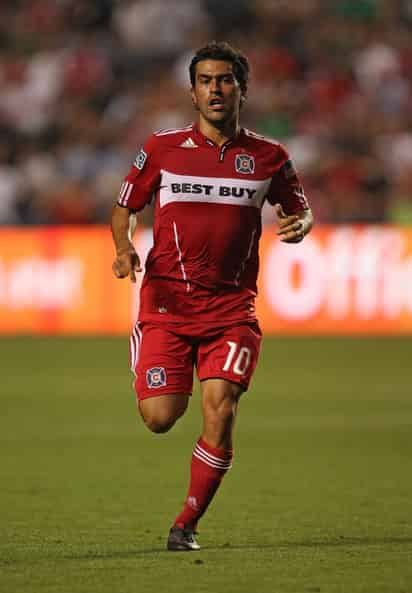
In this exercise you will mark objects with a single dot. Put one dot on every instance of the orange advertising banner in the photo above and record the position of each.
(59, 281)
(340, 280)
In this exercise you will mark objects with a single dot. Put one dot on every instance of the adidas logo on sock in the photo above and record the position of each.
(188, 143)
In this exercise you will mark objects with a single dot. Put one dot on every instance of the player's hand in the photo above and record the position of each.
(291, 227)
(127, 263)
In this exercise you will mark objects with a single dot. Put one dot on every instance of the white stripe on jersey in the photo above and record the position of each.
(249, 253)
(260, 137)
(217, 190)
(300, 193)
(124, 194)
(180, 257)
(168, 131)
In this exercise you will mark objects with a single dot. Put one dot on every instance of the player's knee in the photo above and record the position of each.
(158, 422)
(160, 413)
(159, 425)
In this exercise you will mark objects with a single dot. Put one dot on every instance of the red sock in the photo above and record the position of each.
(208, 467)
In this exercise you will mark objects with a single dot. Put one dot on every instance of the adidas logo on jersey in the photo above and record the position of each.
(188, 143)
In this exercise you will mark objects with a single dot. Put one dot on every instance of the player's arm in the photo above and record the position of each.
(136, 191)
(286, 194)
(126, 262)
(293, 228)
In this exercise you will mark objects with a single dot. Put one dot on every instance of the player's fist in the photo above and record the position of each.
(291, 227)
(127, 263)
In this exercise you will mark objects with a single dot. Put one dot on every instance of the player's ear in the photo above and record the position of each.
(194, 100)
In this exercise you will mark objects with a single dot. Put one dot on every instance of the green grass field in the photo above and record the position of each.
(319, 499)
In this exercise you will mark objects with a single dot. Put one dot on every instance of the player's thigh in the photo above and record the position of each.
(231, 355)
(162, 362)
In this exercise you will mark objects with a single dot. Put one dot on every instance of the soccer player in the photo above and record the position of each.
(209, 181)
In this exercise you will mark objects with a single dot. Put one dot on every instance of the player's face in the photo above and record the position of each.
(216, 93)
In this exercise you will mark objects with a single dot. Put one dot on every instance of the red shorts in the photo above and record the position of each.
(163, 358)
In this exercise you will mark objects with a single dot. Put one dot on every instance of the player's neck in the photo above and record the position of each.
(219, 135)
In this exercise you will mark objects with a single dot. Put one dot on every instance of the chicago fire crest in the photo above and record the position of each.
(244, 163)
(156, 377)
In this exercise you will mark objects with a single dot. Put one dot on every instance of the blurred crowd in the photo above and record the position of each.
(83, 83)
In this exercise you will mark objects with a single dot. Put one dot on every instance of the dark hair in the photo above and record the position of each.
(225, 52)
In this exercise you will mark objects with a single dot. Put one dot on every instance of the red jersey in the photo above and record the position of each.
(208, 199)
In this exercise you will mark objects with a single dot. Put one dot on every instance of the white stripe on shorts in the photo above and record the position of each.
(135, 345)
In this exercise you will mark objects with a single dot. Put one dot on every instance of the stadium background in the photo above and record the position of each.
(84, 83)
(320, 498)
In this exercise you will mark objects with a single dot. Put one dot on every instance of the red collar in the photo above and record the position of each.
(201, 138)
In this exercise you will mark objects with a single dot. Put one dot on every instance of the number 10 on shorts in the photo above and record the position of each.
(238, 357)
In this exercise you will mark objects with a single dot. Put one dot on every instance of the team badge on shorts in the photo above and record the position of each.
(156, 377)
(140, 159)
(244, 163)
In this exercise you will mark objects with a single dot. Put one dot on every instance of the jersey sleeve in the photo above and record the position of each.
(286, 188)
(143, 178)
